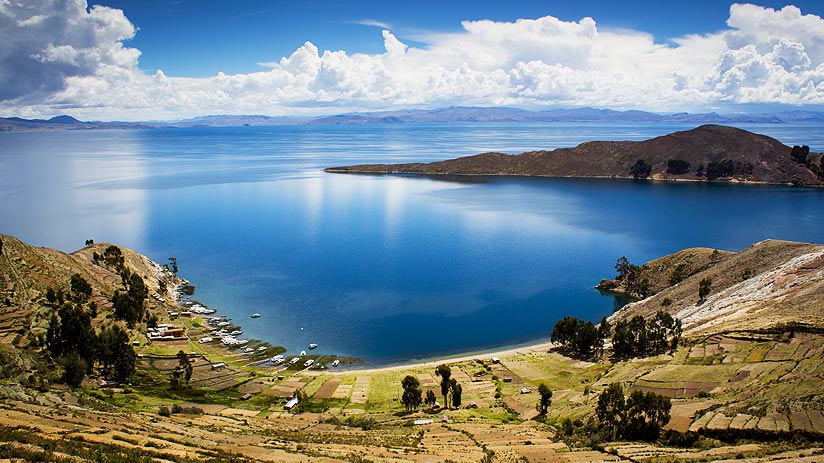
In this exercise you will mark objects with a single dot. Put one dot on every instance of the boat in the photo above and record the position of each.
(308, 363)
(205, 340)
(255, 315)
(236, 332)
(336, 363)
(303, 353)
(262, 348)
(294, 360)
(313, 345)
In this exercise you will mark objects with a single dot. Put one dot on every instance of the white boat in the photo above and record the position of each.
(255, 315)
(241, 342)
(262, 348)
(313, 345)
(278, 359)
(205, 340)
(236, 332)
(336, 363)
(294, 360)
(248, 349)
(303, 353)
(308, 363)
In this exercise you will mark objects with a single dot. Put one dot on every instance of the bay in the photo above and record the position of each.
(384, 268)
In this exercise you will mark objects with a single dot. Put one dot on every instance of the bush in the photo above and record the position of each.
(164, 411)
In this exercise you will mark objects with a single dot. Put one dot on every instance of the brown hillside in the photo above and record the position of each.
(756, 158)
(771, 284)
(26, 272)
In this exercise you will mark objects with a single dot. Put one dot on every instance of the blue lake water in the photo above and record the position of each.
(385, 268)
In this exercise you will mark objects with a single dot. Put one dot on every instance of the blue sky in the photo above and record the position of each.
(153, 60)
(202, 37)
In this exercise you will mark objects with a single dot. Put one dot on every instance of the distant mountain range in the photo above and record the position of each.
(442, 115)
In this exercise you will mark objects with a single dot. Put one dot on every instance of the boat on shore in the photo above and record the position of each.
(336, 363)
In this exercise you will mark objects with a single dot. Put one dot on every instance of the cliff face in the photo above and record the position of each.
(744, 156)
(770, 285)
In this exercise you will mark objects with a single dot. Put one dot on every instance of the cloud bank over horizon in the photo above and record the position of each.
(58, 56)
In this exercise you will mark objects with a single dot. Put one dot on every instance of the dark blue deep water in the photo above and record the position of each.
(385, 268)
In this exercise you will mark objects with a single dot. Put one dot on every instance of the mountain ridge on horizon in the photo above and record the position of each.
(439, 115)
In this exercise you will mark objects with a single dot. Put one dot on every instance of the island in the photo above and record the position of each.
(707, 153)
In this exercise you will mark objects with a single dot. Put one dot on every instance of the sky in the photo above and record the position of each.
(165, 60)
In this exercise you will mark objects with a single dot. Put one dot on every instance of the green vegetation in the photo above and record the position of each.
(545, 399)
(640, 169)
(641, 337)
(677, 166)
(640, 417)
(445, 373)
(800, 153)
(412, 394)
(578, 335)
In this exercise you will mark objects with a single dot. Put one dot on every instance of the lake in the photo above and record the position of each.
(384, 268)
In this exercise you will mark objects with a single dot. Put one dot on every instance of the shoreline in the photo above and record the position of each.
(538, 346)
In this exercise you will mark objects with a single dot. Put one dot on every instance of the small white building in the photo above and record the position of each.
(292, 403)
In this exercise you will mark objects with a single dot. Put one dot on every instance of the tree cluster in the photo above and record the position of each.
(71, 339)
(583, 337)
(129, 304)
(643, 337)
(450, 387)
(630, 275)
(640, 169)
(677, 166)
(800, 154)
(639, 417)
(726, 168)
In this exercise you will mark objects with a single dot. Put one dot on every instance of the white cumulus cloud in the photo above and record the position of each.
(62, 57)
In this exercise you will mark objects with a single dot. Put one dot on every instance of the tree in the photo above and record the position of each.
(74, 369)
(445, 373)
(564, 330)
(81, 289)
(430, 398)
(184, 368)
(116, 352)
(704, 288)
(457, 391)
(800, 153)
(129, 305)
(645, 414)
(640, 169)
(677, 166)
(113, 257)
(585, 338)
(89, 242)
(412, 394)
(623, 267)
(303, 399)
(173, 263)
(610, 408)
(545, 399)
(71, 331)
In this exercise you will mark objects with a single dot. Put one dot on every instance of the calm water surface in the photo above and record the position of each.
(385, 268)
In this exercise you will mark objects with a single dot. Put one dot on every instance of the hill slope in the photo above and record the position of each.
(745, 156)
(772, 285)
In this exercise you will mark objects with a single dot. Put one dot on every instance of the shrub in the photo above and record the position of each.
(164, 411)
